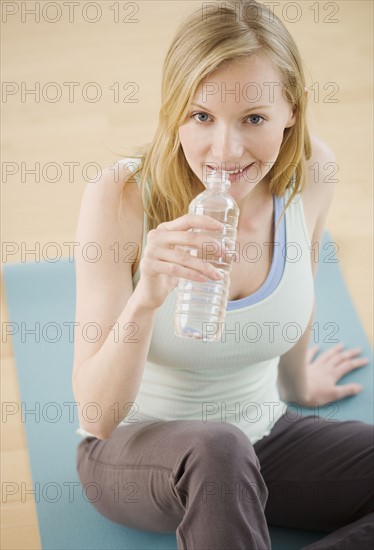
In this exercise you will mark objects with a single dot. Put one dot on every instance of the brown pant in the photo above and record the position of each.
(207, 482)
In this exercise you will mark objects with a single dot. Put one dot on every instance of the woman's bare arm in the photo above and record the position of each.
(114, 324)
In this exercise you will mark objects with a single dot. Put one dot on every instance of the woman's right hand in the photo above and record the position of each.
(163, 262)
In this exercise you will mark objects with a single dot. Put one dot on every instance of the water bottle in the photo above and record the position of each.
(201, 306)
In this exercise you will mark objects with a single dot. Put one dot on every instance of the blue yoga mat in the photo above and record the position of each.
(41, 305)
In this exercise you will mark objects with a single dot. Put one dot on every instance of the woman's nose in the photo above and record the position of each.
(226, 145)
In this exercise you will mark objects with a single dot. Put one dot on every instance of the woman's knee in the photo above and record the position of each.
(225, 436)
(221, 463)
(222, 447)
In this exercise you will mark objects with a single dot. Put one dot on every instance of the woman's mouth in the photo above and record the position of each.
(237, 174)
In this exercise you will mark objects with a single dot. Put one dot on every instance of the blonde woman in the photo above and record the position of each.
(191, 436)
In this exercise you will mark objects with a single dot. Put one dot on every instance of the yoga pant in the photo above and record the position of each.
(207, 483)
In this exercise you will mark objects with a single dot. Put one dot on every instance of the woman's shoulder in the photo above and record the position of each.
(115, 197)
(320, 184)
(129, 164)
(321, 154)
(113, 180)
(129, 188)
(322, 163)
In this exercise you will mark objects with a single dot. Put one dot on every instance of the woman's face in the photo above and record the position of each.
(237, 118)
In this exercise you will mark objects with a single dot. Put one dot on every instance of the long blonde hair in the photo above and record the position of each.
(201, 43)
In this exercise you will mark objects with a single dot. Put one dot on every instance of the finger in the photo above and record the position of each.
(185, 259)
(332, 351)
(185, 239)
(182, 257)
(351, 353)
(351, 364)
(189, 221)
(331, 356)
(347, 356)
(175, 270)
(347, 390)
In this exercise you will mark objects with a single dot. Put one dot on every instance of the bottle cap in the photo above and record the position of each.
(225, 177)
(218, 176)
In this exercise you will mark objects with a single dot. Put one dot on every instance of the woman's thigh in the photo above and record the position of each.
(319, 472)
(130, 478)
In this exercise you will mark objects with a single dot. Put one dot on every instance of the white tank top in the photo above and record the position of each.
(235, 379)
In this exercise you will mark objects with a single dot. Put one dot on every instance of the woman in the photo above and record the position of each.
(192, 436)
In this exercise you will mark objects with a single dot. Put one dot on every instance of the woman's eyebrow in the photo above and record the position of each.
(245, 111)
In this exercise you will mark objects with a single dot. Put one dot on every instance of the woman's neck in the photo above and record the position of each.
(256, 210)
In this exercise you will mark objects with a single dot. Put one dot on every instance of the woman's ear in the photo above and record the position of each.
(292, 118)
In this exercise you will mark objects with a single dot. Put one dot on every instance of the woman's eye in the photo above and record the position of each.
(256, 122)
(200, 114)
(256, 117)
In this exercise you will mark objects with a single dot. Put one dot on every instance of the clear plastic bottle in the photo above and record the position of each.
(201, 306)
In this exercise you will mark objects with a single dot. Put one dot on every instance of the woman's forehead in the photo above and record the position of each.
(240, 83)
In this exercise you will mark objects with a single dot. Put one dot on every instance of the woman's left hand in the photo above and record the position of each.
(326, 370)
